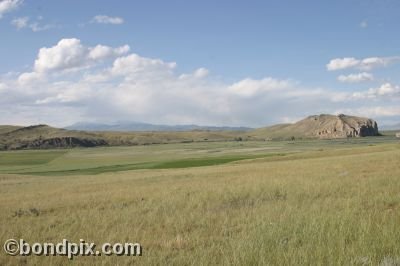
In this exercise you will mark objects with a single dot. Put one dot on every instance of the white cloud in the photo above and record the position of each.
(136, 88)
(385, 90)
(36, 27)
(20, 23)
(354, 78)
(7, 6)
(3, 86)
(23, 22)
(102, 51)
(372, 111)
(362, 64)
(29, 78)
(251, 87)
(70, 54)
(67, 92)
(374, 62)
(342, 63)
(103, 19)
(134, 64)
(201, 72)
(198, 73)
(67, 54)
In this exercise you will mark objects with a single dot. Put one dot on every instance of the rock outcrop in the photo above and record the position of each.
(58, 142)
(341, 126)
(46, 137)
(320, 126)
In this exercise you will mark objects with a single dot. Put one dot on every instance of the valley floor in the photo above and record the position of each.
(231, 203)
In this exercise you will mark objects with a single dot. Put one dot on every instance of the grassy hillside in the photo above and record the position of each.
(278, 132)
(45, 137)
(6, 129)
(323, 203)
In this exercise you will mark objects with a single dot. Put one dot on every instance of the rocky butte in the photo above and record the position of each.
(340, 126)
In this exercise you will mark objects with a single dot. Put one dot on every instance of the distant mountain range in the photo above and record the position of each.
(137, 126)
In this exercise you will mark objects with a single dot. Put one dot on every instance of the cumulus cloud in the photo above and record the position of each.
(7, 6)
(67, 54)
(342, 63)
(134, 64)
(70, 54)
(103, 19)
(362, 64)
(102, 51)
(201, 72)
(30, 77)
(131, 87)
(385, 90)
(355, 78)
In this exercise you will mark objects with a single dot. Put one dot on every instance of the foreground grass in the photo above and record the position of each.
(323, 207)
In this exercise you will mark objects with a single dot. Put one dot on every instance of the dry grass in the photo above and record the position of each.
(334, 208)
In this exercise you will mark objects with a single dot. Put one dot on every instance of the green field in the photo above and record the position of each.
(316, 202)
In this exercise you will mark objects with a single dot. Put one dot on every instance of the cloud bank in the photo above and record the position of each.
(361, 64)
(71, 82)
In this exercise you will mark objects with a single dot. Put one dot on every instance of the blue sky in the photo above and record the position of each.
(248, 63)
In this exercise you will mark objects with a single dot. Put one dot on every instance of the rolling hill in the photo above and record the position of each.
(44, 137)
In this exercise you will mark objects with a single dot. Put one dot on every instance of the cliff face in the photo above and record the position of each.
(320, 126)
(341, 126)
(59, 142)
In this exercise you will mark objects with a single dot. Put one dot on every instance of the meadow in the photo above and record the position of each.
(310, 202)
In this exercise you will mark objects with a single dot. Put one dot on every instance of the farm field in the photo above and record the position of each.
(315, 202)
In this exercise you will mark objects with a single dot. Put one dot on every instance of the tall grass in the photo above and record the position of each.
(326, 207)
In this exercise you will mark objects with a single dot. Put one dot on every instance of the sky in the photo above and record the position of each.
(222, 63)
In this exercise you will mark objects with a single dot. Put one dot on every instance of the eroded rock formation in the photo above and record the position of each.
(341, 126)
